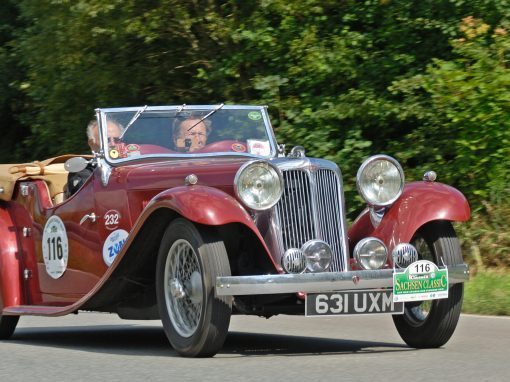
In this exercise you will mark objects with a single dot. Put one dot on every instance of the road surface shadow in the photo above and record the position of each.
(253, 344)
(139, 340)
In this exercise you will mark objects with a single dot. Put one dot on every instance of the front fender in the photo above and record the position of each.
(202, 205)
(420, 203)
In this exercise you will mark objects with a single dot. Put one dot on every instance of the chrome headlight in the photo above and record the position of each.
(259, 185)
(380, 180)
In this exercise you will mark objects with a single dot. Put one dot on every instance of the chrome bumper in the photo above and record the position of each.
(319, 282)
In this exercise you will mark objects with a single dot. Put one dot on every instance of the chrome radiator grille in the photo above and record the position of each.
(329, 215)
(310, 208)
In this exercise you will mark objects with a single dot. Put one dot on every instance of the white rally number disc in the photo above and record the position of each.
(55, 247)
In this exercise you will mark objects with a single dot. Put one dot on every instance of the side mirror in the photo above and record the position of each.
(76, 164)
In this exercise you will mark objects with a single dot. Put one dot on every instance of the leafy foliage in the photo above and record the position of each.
(469, 97)
(426, 82)
(12, 100)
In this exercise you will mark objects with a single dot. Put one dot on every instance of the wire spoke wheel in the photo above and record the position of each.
(183, 288)
(430, 324)
(189, 260)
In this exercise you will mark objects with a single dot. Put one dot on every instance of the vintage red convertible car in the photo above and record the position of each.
(191, 235)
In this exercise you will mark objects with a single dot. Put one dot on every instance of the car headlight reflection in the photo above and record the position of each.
(380, 180)
(259, 185)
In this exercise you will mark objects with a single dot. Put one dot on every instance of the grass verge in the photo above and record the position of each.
(488, 293)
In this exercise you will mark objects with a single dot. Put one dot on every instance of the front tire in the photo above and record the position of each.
(430, 324)
(189, 260)
(7, 326)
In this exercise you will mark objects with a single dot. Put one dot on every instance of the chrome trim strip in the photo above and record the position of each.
(319, 282)
(106, 171)
(178, 107)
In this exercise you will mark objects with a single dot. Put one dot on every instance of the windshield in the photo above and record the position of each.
(132, 133)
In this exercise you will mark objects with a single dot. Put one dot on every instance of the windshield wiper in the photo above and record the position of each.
(208, 115)
(133, 120)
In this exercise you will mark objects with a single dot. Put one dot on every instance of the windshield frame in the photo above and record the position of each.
(101, 114)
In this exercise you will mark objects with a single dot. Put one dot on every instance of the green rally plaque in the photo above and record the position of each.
(422, 280)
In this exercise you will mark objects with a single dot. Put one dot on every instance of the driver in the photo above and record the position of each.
(190, 134)
(76, 179)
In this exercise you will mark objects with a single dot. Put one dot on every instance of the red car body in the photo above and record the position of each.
(142, 198)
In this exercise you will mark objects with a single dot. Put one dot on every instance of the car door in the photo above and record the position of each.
(68, 247)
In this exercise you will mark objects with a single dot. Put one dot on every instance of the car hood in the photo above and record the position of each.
(212, 172)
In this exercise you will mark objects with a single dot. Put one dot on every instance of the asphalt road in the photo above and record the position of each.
(102, 347)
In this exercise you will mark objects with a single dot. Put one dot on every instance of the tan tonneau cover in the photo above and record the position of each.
(51, 170)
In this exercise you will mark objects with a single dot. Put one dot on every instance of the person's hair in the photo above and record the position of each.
(90, 127)
(121, 128)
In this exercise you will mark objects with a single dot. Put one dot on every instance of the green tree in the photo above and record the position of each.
(346, 79)
(465, 104)
(85, 54)
(12, 101)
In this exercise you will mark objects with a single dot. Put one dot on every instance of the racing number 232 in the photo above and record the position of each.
(55, 250)
(112, 218)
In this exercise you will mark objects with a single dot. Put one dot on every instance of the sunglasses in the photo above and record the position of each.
(114, 139)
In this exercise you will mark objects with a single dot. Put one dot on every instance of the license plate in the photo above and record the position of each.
(352, 302)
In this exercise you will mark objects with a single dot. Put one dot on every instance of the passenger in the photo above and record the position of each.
(114, 132)
(76, 179)
(190, 134)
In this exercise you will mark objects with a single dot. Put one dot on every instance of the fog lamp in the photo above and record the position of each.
(318, 255)
(370, 253)
(293, 261)
(404, 255)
